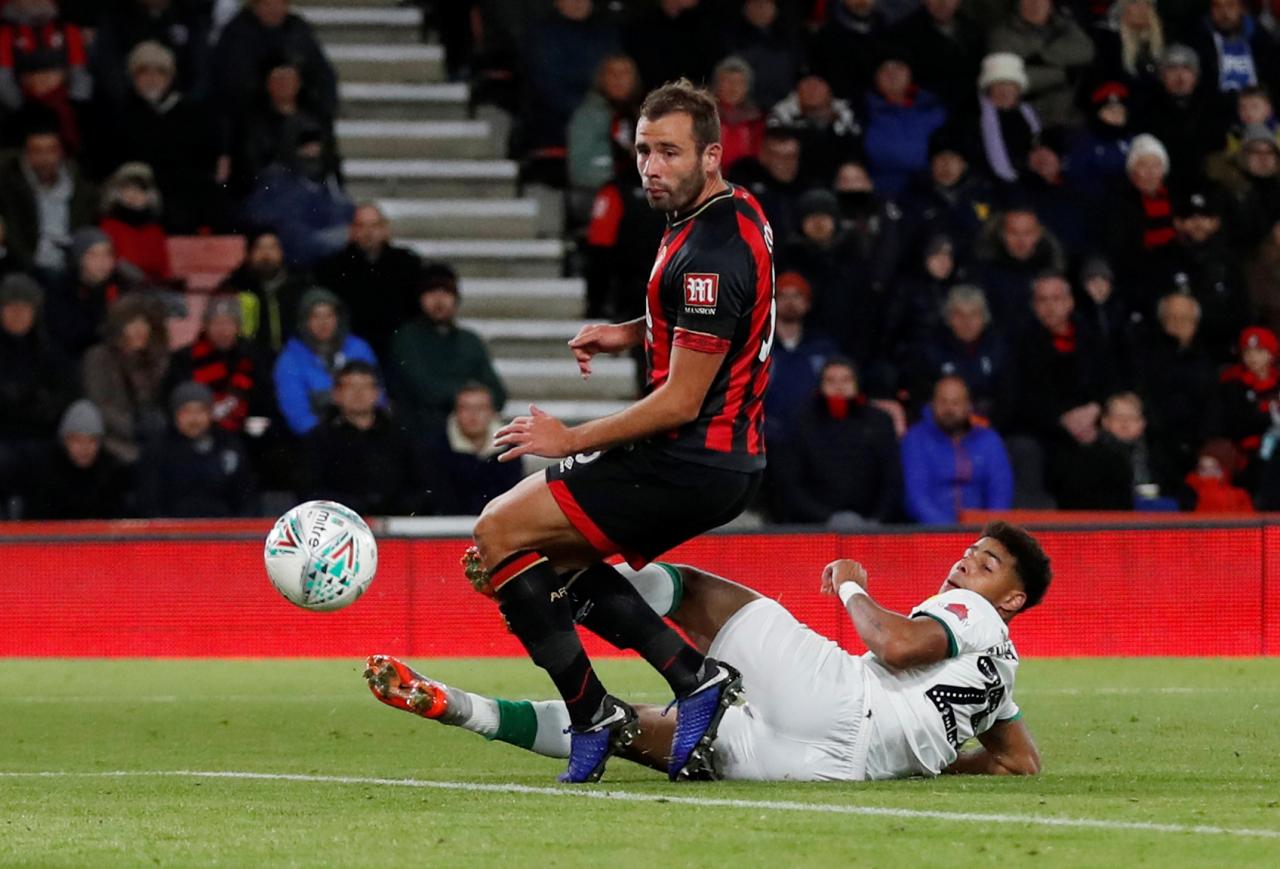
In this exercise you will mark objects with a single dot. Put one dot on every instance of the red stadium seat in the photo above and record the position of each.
(204, 260)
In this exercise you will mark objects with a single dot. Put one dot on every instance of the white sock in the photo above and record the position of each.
(658, 583)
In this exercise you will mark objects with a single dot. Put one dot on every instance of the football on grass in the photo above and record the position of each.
(321, 556)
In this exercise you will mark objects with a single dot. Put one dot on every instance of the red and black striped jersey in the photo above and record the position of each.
(711, 290)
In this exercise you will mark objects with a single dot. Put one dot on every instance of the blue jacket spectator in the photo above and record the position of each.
(949, 464)
(304, 371)
(900, 118)
(798, 356)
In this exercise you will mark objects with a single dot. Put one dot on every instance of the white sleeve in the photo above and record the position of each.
(972, 624)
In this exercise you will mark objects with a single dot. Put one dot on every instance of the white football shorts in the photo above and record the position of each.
(804, 712)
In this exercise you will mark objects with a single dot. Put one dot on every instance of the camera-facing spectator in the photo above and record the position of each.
(43, 198)
(269, 292)
(125, 375)
(842, 467)
(915, 306)
(1007, 126)
(475, 476)
(1177, 378)
(605, 120)
(1235, 52)
(827, 127)
(671, 39)
(1130, 44)
(131, 218)
(741, 121)
(560, 54)
(797, 358)
(1210, 481)
(1249, 394)
(432, 357)
(1251, 175)
(1139, 219)
(270, 130)
(1096, 154)
(950, 463)
(1103, 312)
(376, 279)
(76, 478)
(44, 63)
(301, 199)
(181, 28)
(1016, 249)
(951, 199)
(195, 469)
(305, 368)
(967, 346)
(773, 177)
(360, 457)
(1182, 115)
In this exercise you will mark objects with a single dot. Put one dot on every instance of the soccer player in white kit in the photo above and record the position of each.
(813, 712)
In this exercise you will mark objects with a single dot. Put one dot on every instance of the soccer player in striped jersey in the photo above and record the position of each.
(685, 458)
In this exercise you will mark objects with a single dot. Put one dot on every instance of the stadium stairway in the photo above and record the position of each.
(413, 143)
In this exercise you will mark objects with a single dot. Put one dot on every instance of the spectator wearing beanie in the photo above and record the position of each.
(900, 118)
(76, 478)
(1104, 312)
(798, 356)
(432, 357)
(305, 368)
(1210, 482)
(1096, 155)
(950, 199)
(182, 29)
(229, 365)
(43, 197)
(125, 374)
(195, 470)
(131, 218)
(1139, 215)
(952, 463)
(914, 309)
(95, 281)
(44, 63)
(1251, 176)
(1248, 394)
(376, 279)
(1006, 127)
(1182, 115)
(1055, 49)
(36, 380)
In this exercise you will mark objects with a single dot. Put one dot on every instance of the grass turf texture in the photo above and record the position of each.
(1187, 742)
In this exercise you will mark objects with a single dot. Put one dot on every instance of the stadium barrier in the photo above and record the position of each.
(198, 589)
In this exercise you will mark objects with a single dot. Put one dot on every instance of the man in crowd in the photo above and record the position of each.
(469, 459)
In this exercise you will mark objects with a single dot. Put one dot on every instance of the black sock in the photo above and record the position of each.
(610, 607)
(545, 626)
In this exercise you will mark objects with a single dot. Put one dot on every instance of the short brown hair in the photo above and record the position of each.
(683, 95)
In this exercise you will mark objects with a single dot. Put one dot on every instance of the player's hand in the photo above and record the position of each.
(539, 434)
(598, 338)
(840, 571)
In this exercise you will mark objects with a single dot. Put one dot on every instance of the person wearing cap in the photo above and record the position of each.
(299, 196)
(376, 279)
(125, 374)
(179, 28)
(1177, 377)
(131, 212)
(829, 259)
(828, 128)
(36, 380)
(1095, 155)
(195, 470)
(1202, 262)
(269, 291)
(1007, 126)
(304, 370)
(1137, 221)
(1235, 50)
(75, 478)
(158, 124)
(1249, 396)
(798, 355)
(900, 117)
(949, 199)
(945, 46)
(43, 196)
(229, 365)
(432, 357)
(1251, 175)
(1055, 49)
(95, 280)
(1182, 115)
(913, 311)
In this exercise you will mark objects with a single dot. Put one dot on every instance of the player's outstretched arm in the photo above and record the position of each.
(1007, 749)
(899, 642)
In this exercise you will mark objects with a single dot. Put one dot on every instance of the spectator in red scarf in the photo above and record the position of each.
(1210, 482)
(43, 60)
(1248, 392)
(1139, 215)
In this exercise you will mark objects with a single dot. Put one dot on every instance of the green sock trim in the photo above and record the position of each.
(677, 585)
(517, 723)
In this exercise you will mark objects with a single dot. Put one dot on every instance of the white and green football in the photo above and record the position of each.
(321, 556)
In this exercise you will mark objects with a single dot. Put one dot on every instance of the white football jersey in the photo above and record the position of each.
(921, 716)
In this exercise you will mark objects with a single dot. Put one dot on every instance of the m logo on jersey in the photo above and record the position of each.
(958, 610)
(701, 292)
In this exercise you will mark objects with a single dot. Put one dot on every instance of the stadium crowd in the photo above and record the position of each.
(1028, 253)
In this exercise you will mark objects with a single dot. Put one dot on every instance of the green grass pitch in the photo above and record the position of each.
(1192, 745)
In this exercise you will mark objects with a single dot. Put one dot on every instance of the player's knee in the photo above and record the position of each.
(490, 533)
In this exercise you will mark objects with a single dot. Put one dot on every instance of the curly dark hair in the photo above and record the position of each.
(1029, 559)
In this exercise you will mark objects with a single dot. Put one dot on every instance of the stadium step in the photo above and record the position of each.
(496, 257)
(462, 218)
(518, 338)
(397, 64)
(558, 378)
(566, 410)
(515, 298)
(366, 25)
(400, 101)
(416, 139)
(377, 179)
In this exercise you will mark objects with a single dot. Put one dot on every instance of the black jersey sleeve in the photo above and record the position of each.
(716, 290)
